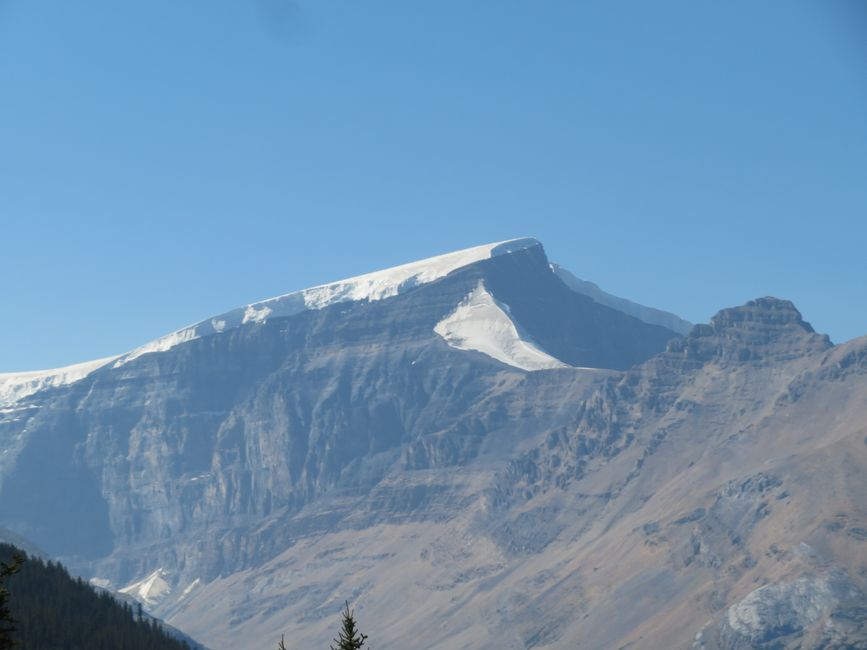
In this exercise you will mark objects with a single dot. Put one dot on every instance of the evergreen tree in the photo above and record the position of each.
(349, 638)
(7, 623)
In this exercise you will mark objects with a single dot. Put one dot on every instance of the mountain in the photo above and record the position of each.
(472, 449)
(272, 405)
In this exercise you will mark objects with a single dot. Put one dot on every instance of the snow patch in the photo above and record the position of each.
(483, 324)
(190, 587)
(255, 314)
(151, 590)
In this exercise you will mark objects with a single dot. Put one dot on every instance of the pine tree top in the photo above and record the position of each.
(349, 637)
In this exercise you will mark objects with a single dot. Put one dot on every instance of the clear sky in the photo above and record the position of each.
(167, 160)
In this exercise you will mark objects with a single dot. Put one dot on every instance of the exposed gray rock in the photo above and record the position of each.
(810, 612)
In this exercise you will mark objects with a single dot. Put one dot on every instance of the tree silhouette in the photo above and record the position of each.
(349, 637)
(7, 623)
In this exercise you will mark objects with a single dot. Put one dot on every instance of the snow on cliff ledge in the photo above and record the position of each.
(483, 324)
(371, 286)
(15, 386)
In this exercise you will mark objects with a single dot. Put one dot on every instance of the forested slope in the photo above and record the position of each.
(52, 610)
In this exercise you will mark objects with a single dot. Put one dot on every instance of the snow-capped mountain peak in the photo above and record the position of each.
(377, 285)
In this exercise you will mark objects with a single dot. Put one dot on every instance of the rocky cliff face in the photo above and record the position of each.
(713, 485)
(637, 491)
(740, 353)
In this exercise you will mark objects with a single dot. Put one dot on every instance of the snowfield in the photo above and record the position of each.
(483, 324)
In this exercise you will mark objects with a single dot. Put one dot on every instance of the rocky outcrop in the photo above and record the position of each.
(813, 612)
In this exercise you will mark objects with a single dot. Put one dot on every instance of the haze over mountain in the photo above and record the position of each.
(479, 449)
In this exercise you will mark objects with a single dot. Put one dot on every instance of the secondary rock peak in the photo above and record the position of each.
(768, 311)
(763, 328)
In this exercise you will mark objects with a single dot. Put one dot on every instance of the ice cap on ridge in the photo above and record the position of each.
(377, 285)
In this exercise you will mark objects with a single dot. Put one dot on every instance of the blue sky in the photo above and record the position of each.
(163, 161)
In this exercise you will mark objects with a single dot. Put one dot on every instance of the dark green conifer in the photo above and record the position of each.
(7, 623)
(349, 637)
